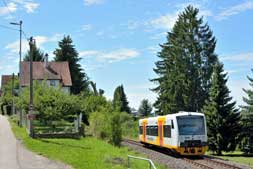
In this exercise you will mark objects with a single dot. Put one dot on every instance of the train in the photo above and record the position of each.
(182, 133)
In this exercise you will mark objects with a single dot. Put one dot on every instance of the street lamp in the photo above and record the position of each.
(20, 47)
(20, 57)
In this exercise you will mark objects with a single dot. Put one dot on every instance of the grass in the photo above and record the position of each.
(88, 152)
(236, 156)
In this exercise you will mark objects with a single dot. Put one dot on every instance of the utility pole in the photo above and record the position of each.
(12, 92)
(20, 58)
(31, 44)
(31, 107)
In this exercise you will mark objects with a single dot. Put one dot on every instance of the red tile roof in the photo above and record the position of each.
(5, 79)
(54, 71)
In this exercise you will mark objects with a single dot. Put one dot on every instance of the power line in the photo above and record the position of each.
(5, 4)
(7, 27)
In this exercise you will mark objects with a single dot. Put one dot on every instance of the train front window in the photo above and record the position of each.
(191, 125)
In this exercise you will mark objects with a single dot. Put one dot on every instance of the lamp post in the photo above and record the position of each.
(20, 46)
(20, 57)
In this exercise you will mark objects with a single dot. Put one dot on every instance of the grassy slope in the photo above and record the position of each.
(236, 156)
(84, 153)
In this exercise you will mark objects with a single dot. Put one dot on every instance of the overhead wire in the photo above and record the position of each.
(6, 5)
(7, 27)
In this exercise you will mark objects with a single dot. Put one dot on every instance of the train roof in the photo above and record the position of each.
(181, 113)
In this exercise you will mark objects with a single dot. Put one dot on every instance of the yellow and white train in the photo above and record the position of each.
(183, 133)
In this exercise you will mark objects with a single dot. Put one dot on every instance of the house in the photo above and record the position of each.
(56, 74)
(5, 80)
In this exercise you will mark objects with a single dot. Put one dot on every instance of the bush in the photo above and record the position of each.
(50, 104)
(116, 129)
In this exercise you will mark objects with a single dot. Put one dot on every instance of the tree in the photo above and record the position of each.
(145, 108)
(185, 65)
(223, 119)
(38, 55)
(247, 116)
(120, 102)
(67, 52)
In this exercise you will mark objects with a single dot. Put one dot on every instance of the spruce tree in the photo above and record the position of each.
(145, 108)
(223, 119)
(38, 55)
(120, 102)
(67, 52)
(185, 65)
(247, 117)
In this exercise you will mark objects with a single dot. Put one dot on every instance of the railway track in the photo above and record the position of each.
(204, 162)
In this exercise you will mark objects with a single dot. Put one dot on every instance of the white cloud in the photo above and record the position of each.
(86, 27)
(234, 10)
(40, 40)
(167, 21)
(110, 57)
(88, 53)
(236, 86)
(30, 6)
(242, 57)
(164, 22)
(27, 5)
(92, 2)
(11, 8)
(118, 55)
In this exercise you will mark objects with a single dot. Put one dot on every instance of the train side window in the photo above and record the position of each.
(148, 130)
(167, 131)
(172, 124)
(141, 130)
(156, 131)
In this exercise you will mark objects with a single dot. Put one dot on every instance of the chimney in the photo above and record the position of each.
(46, 60)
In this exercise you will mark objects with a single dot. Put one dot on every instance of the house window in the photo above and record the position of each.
(52, 83)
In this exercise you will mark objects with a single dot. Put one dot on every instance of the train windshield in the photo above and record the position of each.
(191, 125)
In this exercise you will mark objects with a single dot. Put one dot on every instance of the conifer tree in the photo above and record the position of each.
(145, 108)
(38, 55)
(223, 119)
(185, 65)
(247, 116)
(120, 102)
(67, 52)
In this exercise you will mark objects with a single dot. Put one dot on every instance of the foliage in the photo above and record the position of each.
(38, 55)
(100, 124)
(129, 126)
(120, 102)
(145, 108)
(247, 116)
(8, 93)
(116, 129)
(51, 104)
(221, 116)
(185, 65)
(67, 52)
(96, 92)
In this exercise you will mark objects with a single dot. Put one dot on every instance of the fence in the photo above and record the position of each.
(53, 129)
(151, 164)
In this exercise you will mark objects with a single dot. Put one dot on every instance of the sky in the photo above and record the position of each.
(118, 40)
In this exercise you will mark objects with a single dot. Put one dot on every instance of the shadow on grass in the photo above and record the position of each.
(63, 144)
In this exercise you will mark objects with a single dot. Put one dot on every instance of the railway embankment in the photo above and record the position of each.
(171, 161)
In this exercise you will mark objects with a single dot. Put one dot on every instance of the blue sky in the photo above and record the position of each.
(118, 39)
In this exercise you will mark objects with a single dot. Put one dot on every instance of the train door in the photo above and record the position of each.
(144, 132)
(160, 130)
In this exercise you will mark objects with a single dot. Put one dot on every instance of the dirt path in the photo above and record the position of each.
(13, 155)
